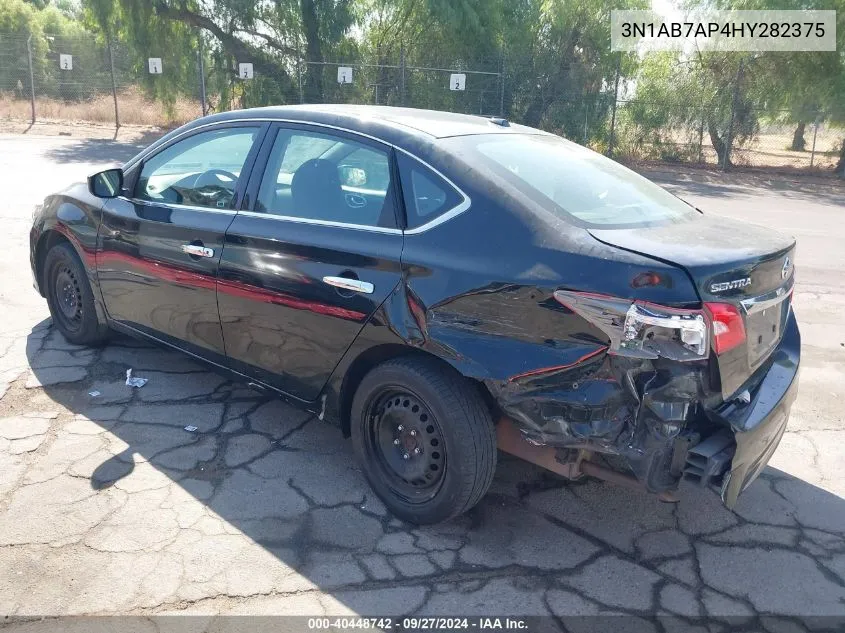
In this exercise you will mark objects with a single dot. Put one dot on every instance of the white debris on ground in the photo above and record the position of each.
(134, 382)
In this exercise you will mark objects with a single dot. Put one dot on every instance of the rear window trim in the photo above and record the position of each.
(446, 215)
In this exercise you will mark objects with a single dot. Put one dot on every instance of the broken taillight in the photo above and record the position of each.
(641, 329)
(728, 326)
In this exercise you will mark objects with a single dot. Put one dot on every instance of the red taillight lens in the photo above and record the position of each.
(727, 324)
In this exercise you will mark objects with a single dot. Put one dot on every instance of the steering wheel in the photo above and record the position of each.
(219, 177)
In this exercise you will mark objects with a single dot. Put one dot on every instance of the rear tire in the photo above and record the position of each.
(70, 299)
(424, 438)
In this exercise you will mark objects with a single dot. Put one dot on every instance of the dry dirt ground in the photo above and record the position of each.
(109, 506)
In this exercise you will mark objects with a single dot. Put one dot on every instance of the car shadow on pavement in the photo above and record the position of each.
(94, 150)
(241, 495)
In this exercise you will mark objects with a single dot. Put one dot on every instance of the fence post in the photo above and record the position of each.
(815, 132)
(502, 85)
(613, 107)
(299, 74)
(201, 67)
(113, 86)
(586, 118)
(729, 141)
(402, 75)
(31, 76)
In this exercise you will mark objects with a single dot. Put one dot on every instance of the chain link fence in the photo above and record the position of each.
(70, 78)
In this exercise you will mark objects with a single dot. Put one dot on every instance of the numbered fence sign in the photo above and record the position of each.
(457, 81)
(155, 65)
(344, 75)
(245, 70)
(66, 62)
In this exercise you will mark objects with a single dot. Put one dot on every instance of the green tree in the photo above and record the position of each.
(800, 87)
(270, 35)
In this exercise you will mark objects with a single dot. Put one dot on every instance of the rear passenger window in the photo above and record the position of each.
(426, 194)
(327, 178)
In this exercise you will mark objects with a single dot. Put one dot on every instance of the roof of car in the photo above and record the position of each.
(412, 129)
(431, 123)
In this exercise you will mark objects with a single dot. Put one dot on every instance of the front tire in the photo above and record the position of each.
(424, 438)
(70, 299)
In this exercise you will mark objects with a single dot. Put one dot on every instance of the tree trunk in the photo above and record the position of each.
(717, 141)
(798, 142)
(313, 52)
(384, 87)
(840, 166)
(558, 83)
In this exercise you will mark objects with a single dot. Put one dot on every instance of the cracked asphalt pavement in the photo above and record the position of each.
(108, 505)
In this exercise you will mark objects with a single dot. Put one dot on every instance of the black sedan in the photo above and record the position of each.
(439, 285)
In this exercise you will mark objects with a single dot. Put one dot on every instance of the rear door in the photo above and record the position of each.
(310, 261)
(160, 245)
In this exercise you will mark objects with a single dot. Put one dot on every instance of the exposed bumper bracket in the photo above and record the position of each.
(511, 441)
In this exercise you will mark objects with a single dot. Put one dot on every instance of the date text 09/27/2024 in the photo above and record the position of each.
(419, 623)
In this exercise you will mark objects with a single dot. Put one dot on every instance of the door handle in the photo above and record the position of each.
(197, 250)
(355, 285)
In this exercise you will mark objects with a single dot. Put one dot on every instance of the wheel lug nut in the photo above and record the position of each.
(417, 450)
(406, 456)
(413, 432)
(400, 428)
(396, 442)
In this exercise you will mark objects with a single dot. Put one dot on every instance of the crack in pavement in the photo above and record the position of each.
(336, 555)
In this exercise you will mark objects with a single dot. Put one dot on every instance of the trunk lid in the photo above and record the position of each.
(746, 265)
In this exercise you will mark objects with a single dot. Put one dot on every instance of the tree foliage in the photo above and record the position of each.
(48, 29)
(558, 70)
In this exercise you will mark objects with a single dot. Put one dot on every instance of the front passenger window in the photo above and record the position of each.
(201, 170)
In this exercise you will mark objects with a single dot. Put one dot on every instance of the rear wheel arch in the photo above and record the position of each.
(375, 356)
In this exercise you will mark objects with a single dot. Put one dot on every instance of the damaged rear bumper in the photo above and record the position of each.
(759, 425)
(655, 416)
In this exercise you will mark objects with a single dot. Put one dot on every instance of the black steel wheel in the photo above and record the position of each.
(70, 298)
(424, 438)
(407, 444)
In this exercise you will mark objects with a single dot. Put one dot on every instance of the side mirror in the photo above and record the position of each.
(107, 183)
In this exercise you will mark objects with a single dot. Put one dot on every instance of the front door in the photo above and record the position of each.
(160, 245)
(318, 252)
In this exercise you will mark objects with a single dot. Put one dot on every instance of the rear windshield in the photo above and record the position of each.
(584, 187)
